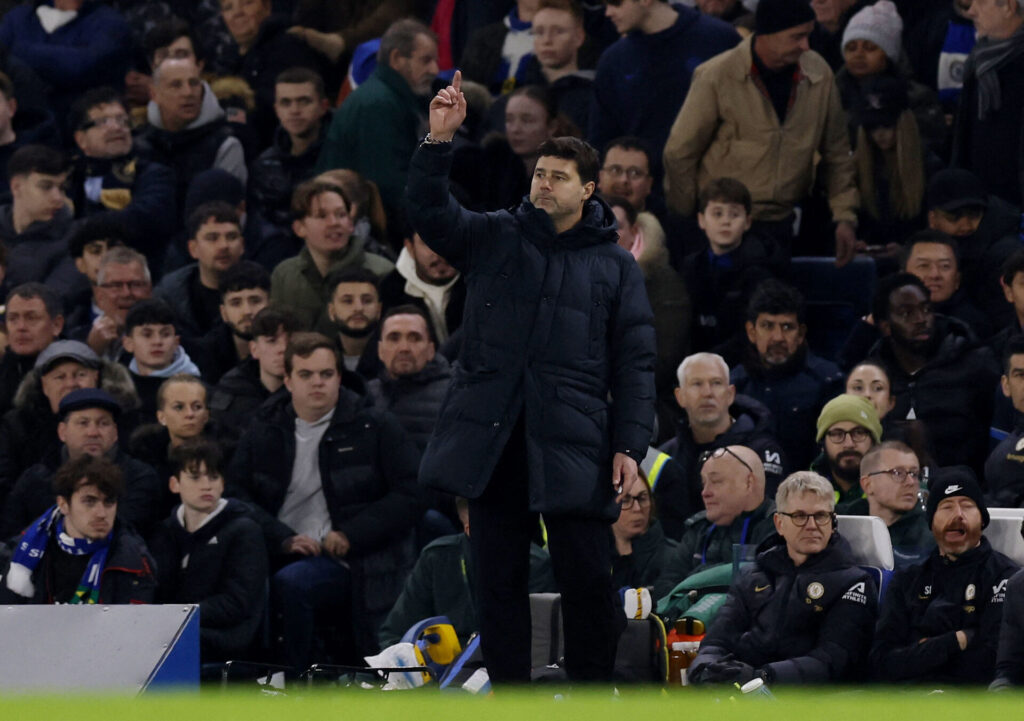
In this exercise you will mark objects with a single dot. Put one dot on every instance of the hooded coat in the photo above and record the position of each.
(553, 323)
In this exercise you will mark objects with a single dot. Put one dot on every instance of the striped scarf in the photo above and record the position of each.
(985, 61)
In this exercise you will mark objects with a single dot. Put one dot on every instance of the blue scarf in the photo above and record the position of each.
(32, 546)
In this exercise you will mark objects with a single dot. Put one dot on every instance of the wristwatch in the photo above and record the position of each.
(428, 139)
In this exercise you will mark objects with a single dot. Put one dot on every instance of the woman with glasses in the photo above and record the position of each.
(639, 541)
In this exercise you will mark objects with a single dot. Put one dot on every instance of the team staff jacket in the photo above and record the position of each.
(803, 624)
(927, 604)
(553, 322)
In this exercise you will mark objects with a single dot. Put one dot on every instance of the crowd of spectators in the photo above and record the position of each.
(225, 348)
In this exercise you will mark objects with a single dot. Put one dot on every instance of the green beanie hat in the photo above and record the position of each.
(855, 409)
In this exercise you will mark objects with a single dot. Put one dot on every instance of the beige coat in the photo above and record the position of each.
(727, 127)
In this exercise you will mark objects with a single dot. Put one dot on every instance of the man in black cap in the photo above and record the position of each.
(940, 619)
(762, 112)
(985, 227)
(87, 427)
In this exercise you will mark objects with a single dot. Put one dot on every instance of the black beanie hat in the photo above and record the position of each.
(773, 16)
(955, 481)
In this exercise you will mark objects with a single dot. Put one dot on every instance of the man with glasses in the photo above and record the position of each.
(122, 281)
(890, 475)
(939, 375)
(804, 613)
(626, 172)
(108, 178)
(848, 427)
(940, 620)
(737, 512)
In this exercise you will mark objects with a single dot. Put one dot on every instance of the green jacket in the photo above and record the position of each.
(296, 282)
(441, 584)
(375, 132)
(911, 537)
(704, 543)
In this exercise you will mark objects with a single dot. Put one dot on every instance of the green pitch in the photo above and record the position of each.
(428, 705)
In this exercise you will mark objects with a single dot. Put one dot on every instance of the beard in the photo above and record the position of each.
(849, 474)
(345, 329)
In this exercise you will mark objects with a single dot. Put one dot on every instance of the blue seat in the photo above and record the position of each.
(836, 298)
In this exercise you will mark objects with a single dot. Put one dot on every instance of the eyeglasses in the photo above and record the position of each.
(799, 518)
(632, 172)
(125, 285)
(900, 475)
(121, 121)
(641, 499)
(718, 453)
(838, 435)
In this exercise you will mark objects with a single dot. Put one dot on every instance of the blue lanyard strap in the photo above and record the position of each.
(707, 539)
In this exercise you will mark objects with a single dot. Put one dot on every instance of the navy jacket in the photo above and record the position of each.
(553, 322)
(642, 79)
(927, 604)
(804, 624)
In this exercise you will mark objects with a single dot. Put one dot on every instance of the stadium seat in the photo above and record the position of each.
(1003, 532)
(872, 548)
(836, 298)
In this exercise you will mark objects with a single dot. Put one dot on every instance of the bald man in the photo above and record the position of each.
(736, 511)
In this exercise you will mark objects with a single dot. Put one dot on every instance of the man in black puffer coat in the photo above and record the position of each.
(805, 612)
(556, 320)
(940, 620)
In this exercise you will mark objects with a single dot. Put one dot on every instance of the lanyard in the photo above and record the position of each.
(707, 539)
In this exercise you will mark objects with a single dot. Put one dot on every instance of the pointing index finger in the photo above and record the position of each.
(457, 81)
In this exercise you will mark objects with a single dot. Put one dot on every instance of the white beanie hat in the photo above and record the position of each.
(881, 24)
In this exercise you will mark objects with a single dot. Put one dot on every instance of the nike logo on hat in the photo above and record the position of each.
(953, 489)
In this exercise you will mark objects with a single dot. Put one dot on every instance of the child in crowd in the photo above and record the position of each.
(721, 277)
(151, 336)
(210, 552)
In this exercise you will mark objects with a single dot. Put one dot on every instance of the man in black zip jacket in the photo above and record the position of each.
(940, 619)
(333, 485)
(804, 613)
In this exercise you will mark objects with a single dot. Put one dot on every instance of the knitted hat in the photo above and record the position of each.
(955, 481)
(879, 23)
(774, 16)
(855, 409)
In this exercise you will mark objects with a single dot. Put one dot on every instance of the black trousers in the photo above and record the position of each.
(501, 526)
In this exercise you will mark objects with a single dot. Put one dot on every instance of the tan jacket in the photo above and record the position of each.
(727, 127)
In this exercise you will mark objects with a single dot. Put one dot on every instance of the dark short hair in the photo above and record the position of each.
(32, 289)
(576, 150)
(243, 275)
(1013, 264)
(885, 288)
(194, 453)
(89, 471)
(164, 33)
(298, 76)
(617, 201)
(274, 318)
(1015, 346)
(725, 190)
(108, 228)
(216, 211)
(304, 345)
(90, 99)
(401, 36)
(352, 274)
(929, 236)
(572, 7)
(540, 95)
(6, 86)
(410, 309)
(37, 159)
(773, 297)
(628, 142)
(161, 391)
(306, 193)
(151, 311)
